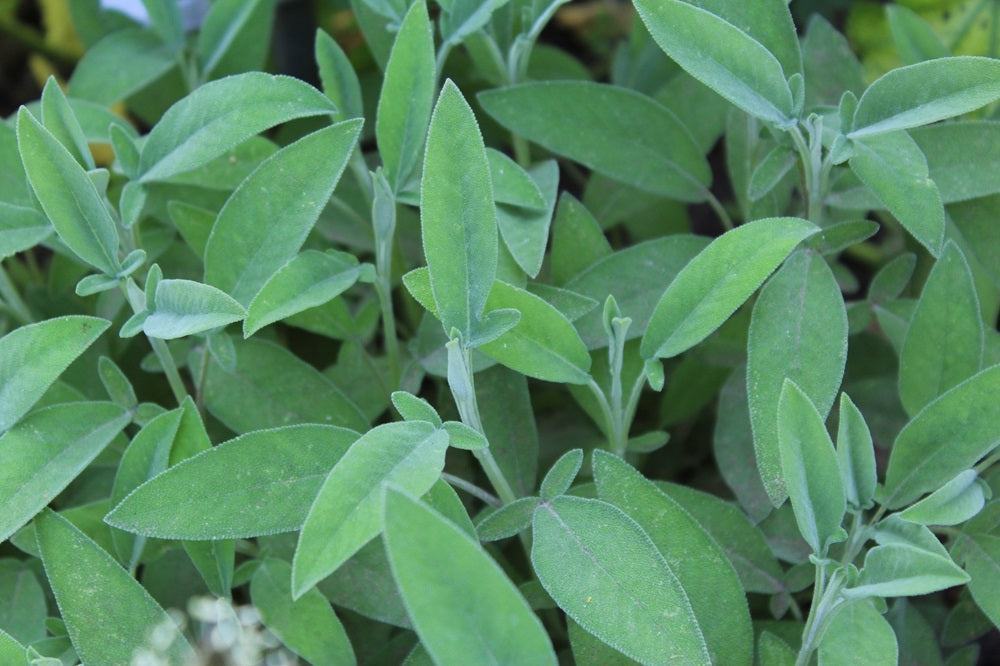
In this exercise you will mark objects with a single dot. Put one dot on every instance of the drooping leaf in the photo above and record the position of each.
(953, 503)
(614, 131)
(458, 220)
(603, 570)
(858, 634)
(307, 625)
(347, 512)
(732, 63)
(798, 332)
(310, 279)
(948, 436)
(222, 114)
(67, 195)
(810, 471)
(944, 341)
(702, 568)
(404, 105)
(265, 221)
(107, 613)
(186, 307)
(468, 612)
(926, 92)
(717, 281)
(33, 356)
(895, 170)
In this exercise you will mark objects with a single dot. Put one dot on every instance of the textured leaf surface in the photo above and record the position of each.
(186, 307)
(798, 332)
(108, 614)
(120, 64)
(948, 148)
(858, 634)
(603, 570)
(614, 131)
(347, 512)
(899, 570)
(467, 612)
(855, 455)
(260, 483)
(46, 451)
(717, 281)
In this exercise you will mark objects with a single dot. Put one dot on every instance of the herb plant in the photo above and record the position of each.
(429, 366)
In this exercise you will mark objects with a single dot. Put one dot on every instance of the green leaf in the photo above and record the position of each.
(234, 37)
(577, 240)
(271, 387)
(108, 614)
(340, 81)
(603, 570)
(948, 148)
(855, 455)
(185, 307)
(525, 232)
(614, 131)
(901, 570)
(511, 184)
(59, 119)
(798, 331)
(982, 562)
(635, 277)
(588, 650)
(953, 503)
(732, 63)
(915, 40)
(21, 228)
(404, 105)
(702, 568)
(116, 383)
(68, 197)
(467, 612)
(508, 520)
(543, 344)
(307, 625)
(858, 634)
(347, 512)
(22, 605)
(842, 235)
(461, 436)
(773, 651)
(265, 221)
(717, 281)
(121, 64)
(509, 424)
(33, 356)
(926, 92)
(895, 170)
(562, 474)
(215, 561)
(464, 17)
(892, 278)
(259, 483)
(458, 220)
(223, 114)
(309, 279)
(769, 172)
(810, 471)
(944, 341)
(948, 436)
(412, 408)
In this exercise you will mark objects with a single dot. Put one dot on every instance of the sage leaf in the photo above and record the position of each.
(122, 63)
(464, 17)
(33, 356)
(68, 196)
(948, 436)
(508, 520)
(509, 424)
(59, 119)
(855, 455)
(185, 307)
(404, 105)
(606, 574)
(347, 511)
(577, 240)
(944, 341)
(21, 228)
(412, 408)
(266, 220)
(457, 217)
(562, 474)
(223, 114)
(858, 634)
(108, 614)
(542, 344)
(525, 231)
(732, 63)
(798, 331)
(915, 40)
(234, 37)
(895, 170)
(810, 471)
(947, 147)
(259, 483)
(614, 131)
(511, 184)
(340, 81)
(717, 281)
(953, 503)
(901, 570)
(469, 612)
(46, 451)
(926, 92)
(702, 568)
(309, 279)
(982, 562)
(308, 625)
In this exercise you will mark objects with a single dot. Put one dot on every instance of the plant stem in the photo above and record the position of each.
(605, 406)
(159, 348)
(720, 210)
(13, 300)
(472, 489)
